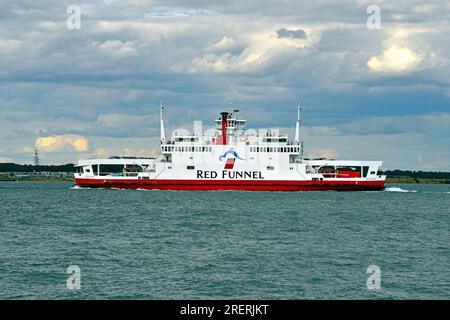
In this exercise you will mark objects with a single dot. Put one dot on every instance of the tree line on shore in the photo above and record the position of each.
(13, 167)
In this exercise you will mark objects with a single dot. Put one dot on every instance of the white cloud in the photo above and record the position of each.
(395, 59)
(261, 49)
(117, 47)
(5, 159)
(64, 142)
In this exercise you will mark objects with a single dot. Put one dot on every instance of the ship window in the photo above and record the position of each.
(270, 168)
(106, 169)
(348, 168)
(284, 149)
(95, 169)
(88, 170)
(365, 171)
(372, 172)
(190, 167)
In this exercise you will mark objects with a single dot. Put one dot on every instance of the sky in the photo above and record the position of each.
(94, 91)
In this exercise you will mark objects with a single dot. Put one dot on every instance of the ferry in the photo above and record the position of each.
(230, 158)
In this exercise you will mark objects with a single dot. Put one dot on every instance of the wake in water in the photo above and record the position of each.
(76, 187)
(398, 189)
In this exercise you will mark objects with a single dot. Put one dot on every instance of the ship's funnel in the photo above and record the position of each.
(224, 127)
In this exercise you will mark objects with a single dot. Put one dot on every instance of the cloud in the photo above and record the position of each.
(322, 153)
(295, 34)
(259, 51)
(5, 160)
(395, 59)
(62, 143)
(104, 82)
(8, 46)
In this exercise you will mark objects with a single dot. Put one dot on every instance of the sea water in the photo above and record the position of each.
(140, 244)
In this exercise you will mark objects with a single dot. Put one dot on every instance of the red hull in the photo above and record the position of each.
(253, 185)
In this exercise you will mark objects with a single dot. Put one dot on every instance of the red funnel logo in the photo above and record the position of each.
(230, 163)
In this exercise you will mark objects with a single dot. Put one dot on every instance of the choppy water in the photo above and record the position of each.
(188, 245)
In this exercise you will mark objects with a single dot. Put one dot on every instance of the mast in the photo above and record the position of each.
(162, 134)
(297, 126)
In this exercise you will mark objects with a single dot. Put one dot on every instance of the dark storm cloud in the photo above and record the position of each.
(295, 34)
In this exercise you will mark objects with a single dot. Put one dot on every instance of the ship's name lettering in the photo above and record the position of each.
(229, 174)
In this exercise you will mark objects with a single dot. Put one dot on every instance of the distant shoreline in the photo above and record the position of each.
(411, 180)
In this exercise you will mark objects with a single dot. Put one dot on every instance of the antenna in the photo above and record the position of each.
(162, 134)
(36, 157)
